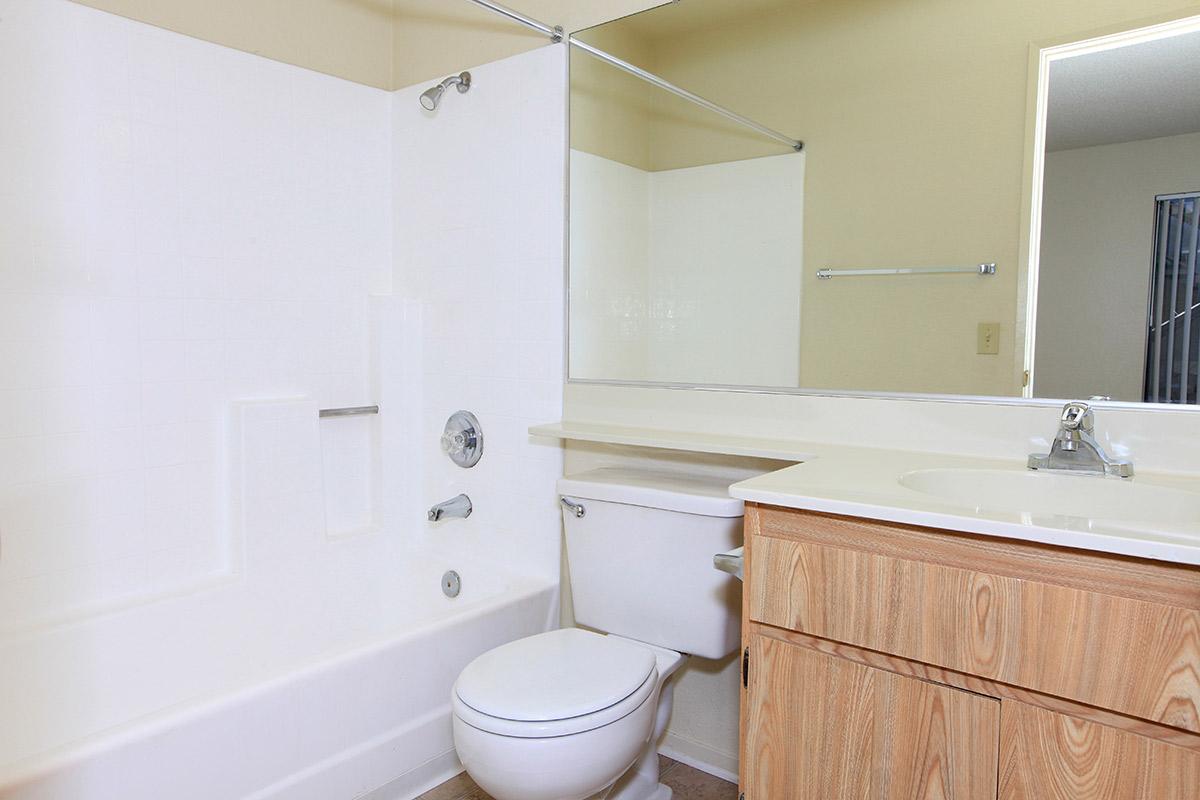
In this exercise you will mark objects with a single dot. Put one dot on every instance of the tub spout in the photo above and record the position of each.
(456, 507)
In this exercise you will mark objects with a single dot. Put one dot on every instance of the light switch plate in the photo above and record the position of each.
(988, 339)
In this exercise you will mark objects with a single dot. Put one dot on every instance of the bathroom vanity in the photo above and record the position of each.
(891, 660)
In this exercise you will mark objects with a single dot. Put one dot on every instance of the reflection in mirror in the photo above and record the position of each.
(685, 238)
(1118, 278)
(696, 243)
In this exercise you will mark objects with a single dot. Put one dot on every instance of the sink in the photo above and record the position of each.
(1056, 494)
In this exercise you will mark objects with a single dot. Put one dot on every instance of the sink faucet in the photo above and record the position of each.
(1075, 448)
(455, 508)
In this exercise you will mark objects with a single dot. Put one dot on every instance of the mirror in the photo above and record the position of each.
(705, 253)
(1116, 274)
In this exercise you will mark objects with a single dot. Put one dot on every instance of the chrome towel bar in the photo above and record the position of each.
(353, 411)
(978, 269)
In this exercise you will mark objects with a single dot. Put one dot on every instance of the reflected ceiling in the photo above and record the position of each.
(1143, 91)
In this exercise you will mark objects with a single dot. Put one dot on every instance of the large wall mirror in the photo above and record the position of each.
(993, 199)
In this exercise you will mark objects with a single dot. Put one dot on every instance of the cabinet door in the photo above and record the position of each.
(1049, 756)
(818, 727)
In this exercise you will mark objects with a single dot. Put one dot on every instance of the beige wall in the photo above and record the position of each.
(1097, 247)
(914, 117)
(611, 111)
(622, 118)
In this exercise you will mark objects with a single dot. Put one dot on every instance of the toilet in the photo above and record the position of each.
(577, 713)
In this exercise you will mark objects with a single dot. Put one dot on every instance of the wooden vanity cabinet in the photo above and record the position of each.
(1044, 754)
(819, 726)
(891, 662)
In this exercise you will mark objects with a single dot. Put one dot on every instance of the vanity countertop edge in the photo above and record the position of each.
(852, 485)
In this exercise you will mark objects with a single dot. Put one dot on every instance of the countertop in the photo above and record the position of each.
(865, 482)
(1079, 511)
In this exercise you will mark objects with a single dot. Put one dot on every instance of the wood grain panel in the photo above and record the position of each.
(1137, 579)
(983, 686)
(1133, 656)
(1049, 756)
(818, 727)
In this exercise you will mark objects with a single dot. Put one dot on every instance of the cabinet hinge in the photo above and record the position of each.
(746, 668)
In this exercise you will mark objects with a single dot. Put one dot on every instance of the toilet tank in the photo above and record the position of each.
(641, 557)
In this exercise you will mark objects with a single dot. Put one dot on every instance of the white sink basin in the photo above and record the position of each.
(1042, 494)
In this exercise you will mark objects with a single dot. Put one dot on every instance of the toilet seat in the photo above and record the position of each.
(555, 684)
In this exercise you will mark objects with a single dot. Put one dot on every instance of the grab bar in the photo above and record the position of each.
(353, 411)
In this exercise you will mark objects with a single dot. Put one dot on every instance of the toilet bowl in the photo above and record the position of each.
(559, 716)
(575, 714)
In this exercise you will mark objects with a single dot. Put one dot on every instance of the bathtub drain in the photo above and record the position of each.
(451, 584)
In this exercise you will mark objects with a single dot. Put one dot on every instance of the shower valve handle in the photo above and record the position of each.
(462, 439)
(453, 444)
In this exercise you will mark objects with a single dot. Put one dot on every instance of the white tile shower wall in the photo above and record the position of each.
(478, 239)
(726, 242)
(181, 225)
(654, 256)
(610, 268)
(277, 487)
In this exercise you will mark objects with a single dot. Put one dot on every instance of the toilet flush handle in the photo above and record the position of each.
(575, 508)
(730, 562)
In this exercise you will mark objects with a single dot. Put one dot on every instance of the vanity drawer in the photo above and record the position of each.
(1116, 633)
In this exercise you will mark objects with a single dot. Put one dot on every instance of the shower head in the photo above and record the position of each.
(433, 96)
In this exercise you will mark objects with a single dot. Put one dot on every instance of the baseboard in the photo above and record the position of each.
(700, 756)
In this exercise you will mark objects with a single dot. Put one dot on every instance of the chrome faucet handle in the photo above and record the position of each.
(1077, 417)
(1075, 448)
(462, 439)
(454, 444)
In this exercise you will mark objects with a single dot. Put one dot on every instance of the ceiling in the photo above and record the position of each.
(388, 44)
(437, 37)
(1143, 91)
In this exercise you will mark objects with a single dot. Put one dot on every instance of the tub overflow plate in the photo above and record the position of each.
(451, 584)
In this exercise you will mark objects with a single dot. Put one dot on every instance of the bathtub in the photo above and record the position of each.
(306, 682)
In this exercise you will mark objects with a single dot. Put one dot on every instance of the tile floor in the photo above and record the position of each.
(687, 782)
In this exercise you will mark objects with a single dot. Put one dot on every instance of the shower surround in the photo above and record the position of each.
(199, 249)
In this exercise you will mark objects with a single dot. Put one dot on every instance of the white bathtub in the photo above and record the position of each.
(321, 683)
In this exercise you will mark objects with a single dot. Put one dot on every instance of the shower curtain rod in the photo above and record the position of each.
(556, 34)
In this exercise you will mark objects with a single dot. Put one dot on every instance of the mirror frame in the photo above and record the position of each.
(1042, 55)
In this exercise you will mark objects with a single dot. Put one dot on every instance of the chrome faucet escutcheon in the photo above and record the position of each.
(1075, 448)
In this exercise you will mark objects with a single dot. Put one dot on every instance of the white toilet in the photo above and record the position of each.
(571, 714)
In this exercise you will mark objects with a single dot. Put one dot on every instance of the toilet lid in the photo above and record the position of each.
(554, 676)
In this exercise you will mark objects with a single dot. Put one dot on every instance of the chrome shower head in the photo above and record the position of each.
(431, 97)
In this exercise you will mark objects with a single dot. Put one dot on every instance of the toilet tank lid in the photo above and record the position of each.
(707, 495)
